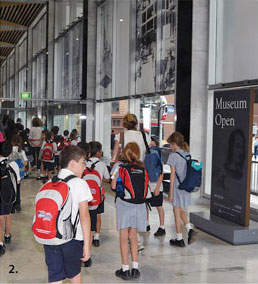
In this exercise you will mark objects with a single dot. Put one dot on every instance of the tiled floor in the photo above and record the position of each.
(208, 260)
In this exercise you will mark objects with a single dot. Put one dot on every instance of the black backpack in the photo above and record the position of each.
(133, 184)
(8, 183)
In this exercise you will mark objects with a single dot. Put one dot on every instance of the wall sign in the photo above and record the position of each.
(231, 159)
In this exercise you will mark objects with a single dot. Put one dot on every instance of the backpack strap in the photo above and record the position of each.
(186, 162)
(145, 142)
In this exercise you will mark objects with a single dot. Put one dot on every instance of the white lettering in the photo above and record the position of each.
(220, 104)
(224, 121)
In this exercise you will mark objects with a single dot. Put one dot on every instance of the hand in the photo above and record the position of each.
(170, 197)
(86, 254)
(156, 192)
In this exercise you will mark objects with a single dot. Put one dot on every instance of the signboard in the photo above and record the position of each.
(25, 95)
(231, 157)
(170, 109)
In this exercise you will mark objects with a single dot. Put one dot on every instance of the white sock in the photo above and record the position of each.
(135, 265)
(7, 236)
(1, 243)
(96, 236)
(179, 237)
(125, 267)
(162, 227)
(188, 227)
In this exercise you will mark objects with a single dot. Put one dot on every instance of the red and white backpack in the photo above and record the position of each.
(52, 224)
(67, 142)
(93, 179)
(48, 151)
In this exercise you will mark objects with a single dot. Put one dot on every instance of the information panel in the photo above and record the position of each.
(231, 159)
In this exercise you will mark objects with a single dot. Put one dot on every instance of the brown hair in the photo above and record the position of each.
(130, 121)
(36, 122)
(70, 153)
(178, 138)
(17, 141)
(131, 154)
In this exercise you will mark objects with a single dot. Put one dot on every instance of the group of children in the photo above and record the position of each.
(83, 162)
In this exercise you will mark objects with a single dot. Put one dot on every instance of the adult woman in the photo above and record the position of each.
(131, 134)
(179, 198)
(35, 139)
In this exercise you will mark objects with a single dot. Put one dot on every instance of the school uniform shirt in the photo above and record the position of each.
(181, 198)
(22, 152)
(135, 136)
(80, 192)
(35, 133)
(54, 151)
(16, 169)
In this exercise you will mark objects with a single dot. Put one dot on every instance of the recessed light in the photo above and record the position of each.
(121, 20)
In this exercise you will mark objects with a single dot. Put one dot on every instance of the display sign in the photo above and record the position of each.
(170, 109)
(231, 157)
(25, 95)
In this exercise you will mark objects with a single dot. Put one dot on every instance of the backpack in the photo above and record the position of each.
(8, 183)
(52, 224)
(48, 151)
(18, 158)
(193, 178)
(93, 179)
(67, 142)
(152, 161)
(132, 184)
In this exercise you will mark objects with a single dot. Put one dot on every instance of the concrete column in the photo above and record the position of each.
(199, 93)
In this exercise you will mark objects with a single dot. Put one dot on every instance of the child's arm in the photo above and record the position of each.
(113, 184)
(159, 182)
(172, 181)
(86, 228)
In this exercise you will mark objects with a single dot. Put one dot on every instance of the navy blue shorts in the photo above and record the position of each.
(5, 209)
(156, 201)
(100, 208)
(63, 261)
(48, 166)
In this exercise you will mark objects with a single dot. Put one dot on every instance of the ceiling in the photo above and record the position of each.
(15, 18)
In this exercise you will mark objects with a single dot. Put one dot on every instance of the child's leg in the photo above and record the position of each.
(76, 279)
(177, 216)
(184, 216)
(134, 244)
(161, 215)
(98, 223)
(124, 235)
(1, 228)
(8, 221)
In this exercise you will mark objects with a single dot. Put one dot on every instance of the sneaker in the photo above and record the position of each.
(8, 239)
(135, 273)
(96, 243)
(160, 232)
(125, 275)
(177, 243)
(2, 250)
(87, 263)
(40, 178)
(148, 228)
(140, 246)
(191, 236)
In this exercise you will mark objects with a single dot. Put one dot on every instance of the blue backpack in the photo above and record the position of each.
(17, 157)
(193, 178)
(152, 161)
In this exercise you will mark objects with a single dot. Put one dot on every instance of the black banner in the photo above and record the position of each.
(230, 189)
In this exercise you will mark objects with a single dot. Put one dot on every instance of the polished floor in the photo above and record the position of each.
(208, 260)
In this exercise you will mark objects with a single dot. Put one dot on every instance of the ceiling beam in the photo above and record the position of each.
(7, 28)
(8, 23)
(22, 2)
(6, 44)
(2, 57)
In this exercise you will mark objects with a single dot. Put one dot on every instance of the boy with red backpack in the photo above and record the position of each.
(48, 149)
(61, 221)
(96, 172)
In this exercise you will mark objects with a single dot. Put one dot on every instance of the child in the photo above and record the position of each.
(101, 168)
(179, 198)
(157, 194)
(5, 208)
(18, 155)
(64, 261)
(131, 217)
(66, 134)
(48, 149)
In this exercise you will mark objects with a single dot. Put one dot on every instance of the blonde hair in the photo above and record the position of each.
(178, 138)
(130, 121)
(131, 154)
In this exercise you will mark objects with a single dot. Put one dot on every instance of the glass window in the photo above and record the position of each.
(11, 65)
(23, 54)
(39, 35)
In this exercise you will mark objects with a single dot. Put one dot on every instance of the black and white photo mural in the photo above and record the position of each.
(136, 47)
(155, 45)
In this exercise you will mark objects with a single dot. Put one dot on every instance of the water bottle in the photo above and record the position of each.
(120, 187)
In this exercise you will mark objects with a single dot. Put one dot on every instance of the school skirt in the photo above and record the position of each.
(129, 215)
